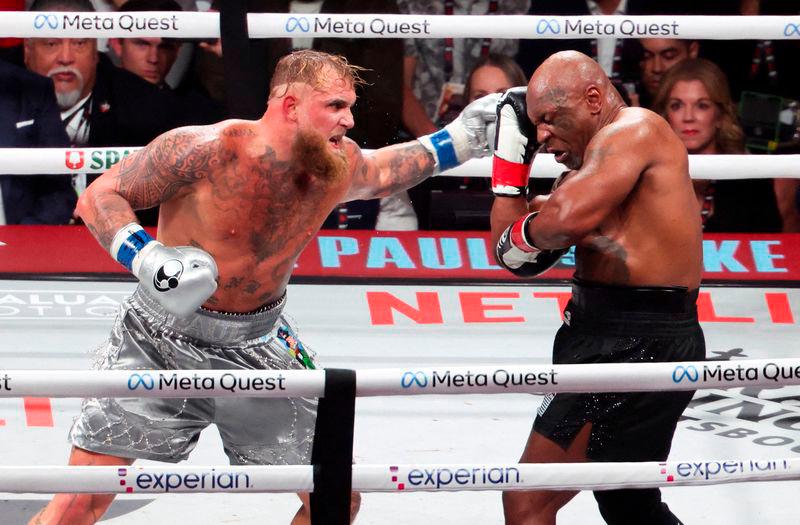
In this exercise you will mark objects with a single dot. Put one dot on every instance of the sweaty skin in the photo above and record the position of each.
(245, 192)
(628, 204)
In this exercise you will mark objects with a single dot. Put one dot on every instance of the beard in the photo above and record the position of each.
(67, 99)
(312, 156)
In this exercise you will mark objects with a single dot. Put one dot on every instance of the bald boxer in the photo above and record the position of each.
(628, 207)
(239, 202)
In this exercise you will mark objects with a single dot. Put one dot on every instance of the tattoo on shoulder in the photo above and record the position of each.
(176, 159)
(236, 132)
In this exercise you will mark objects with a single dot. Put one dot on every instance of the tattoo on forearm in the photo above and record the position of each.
(110, 212)
(409, 165)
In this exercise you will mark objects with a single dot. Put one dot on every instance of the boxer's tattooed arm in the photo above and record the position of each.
(390, 170)
(148, 177)
(174, 160)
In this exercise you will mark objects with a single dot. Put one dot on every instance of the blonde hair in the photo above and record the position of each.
(310, 67)
(729, 137)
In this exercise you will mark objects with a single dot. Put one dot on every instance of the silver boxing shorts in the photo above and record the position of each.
(259, 431)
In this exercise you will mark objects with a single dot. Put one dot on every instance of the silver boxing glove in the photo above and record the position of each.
(467, 137)
(180, 278)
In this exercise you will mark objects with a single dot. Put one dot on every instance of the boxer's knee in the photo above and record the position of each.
(634, 507)
(75, 509)
(533, 507)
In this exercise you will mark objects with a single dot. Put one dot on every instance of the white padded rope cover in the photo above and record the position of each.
(394, 478)
(177, 24)
(55, 161)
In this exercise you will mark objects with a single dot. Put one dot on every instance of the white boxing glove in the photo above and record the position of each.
(516, 253)
(467, 137)
(514, 147)
(180, 278)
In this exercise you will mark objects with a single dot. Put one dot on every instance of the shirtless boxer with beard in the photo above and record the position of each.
(239, 202)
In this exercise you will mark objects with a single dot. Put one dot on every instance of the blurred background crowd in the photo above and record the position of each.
(719, 96)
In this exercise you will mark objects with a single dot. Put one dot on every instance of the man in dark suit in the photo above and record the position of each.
(101, 104)
(29, 118)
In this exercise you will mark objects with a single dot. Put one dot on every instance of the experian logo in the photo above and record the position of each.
(443, 477)
(711, 469)
(200, 481)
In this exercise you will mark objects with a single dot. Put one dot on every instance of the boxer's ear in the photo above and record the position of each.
(594, 99)
(289, 105)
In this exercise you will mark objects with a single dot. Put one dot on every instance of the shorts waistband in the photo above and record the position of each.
(606, 299)
(209, 325)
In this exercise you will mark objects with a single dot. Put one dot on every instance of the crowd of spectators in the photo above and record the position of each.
(720, 97)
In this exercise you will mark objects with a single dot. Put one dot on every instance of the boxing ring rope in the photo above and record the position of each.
(394, 478)
(527, 379)
(382, 382)
(177, 24)
(71, 161)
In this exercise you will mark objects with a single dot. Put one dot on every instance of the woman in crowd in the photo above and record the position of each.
(695, 99)
(449, 203)
(493, 74)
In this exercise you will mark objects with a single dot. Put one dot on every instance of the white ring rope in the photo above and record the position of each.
(57, 161)
(530, 379)
(394, 478)
(178, 24)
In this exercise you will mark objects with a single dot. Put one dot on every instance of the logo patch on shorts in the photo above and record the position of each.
(548, 398)
(295, 347)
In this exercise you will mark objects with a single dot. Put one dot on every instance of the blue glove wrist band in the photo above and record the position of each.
(445, 152)
(131, 246)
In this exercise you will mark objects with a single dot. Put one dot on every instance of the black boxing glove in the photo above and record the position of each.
(515, 145)
(517, 254)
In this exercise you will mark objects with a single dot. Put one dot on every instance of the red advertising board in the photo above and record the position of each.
(397, 255)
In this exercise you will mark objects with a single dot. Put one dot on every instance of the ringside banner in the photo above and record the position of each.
(280, 25)
(398, 255)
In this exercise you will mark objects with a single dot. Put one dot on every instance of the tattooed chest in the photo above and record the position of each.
(269, 216)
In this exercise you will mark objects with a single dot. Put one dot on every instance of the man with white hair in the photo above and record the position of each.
(101, 105)
(72, 65)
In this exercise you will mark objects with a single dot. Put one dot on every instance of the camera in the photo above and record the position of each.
(770, 123)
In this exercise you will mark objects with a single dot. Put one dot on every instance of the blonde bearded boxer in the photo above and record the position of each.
(239, 201)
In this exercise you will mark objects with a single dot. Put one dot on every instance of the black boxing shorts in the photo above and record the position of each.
(613, 324)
